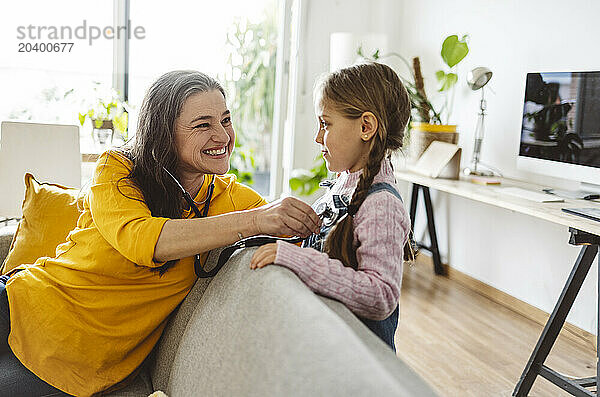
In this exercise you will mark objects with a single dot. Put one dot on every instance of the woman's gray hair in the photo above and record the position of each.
(154, 145)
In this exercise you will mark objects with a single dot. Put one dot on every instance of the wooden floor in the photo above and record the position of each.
(464, 344)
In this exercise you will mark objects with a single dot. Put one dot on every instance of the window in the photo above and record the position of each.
(234, 41)
(40, 83)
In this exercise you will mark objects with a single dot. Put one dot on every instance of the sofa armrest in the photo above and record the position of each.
(6, 236)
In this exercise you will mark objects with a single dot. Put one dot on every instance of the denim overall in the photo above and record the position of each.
(384, 329)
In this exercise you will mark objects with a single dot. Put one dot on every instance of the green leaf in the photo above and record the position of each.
(99, 123)
(454, 50)
(449, 81)
(306, 182)
(81, 118)
(295, 184)
(246, 177)
(110, 106)
(440, 75)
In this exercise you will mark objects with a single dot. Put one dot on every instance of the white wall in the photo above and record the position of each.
(522, 256)
(323, 18)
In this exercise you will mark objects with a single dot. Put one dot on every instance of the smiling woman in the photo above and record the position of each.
(206, 139)
(136, 246)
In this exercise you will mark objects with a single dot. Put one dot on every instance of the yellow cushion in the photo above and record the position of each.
(50, 212)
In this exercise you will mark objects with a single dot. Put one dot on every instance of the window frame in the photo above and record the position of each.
(120, 82)
(286, 72)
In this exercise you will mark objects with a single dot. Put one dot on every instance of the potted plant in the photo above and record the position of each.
(109, 114)
(428, 123)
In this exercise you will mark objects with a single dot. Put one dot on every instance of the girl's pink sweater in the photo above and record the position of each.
(381, 228)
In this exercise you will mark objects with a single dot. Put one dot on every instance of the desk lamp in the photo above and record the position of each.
(477, 79)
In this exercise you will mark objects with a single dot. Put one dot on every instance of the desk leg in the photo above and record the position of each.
(435, 251)
(433, 248)
(414, 197)
(535, 366)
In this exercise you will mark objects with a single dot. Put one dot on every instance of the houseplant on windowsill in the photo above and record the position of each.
(108, 115)
(428, 124)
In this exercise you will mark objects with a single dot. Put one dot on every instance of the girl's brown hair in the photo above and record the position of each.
(376, 88)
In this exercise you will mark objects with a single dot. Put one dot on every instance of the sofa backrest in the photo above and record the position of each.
(263, 332)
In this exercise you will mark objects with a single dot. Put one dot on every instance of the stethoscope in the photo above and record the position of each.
(326, 214)
(200, 272)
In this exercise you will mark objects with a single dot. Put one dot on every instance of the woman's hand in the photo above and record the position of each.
(288, 216)
(264, 255)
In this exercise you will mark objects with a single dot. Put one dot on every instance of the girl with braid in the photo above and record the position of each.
(357, 257)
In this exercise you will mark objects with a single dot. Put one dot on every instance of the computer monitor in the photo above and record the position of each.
(560, 129)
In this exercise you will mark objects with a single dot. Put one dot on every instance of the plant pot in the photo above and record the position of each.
(106, 125)
(103, 136)
(422, 134)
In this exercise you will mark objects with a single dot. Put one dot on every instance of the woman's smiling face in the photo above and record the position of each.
(204, 135)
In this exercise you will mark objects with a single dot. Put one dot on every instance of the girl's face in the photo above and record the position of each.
(204, 135)
(340, 138)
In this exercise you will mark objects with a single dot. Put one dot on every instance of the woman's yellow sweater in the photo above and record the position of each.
(87, 318)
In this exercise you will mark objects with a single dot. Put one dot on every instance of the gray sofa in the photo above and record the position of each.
(264, 333)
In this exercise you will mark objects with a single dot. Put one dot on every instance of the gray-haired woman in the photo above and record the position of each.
(84, 321)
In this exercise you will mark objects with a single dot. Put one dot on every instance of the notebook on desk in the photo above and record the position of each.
(590, 213)
(439, 160)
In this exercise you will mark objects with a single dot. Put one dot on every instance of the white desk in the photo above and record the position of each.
(583, 231)
(490, 195)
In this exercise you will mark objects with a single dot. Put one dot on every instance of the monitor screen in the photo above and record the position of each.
(561, 118)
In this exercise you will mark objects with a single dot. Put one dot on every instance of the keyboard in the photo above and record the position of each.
(590, 213)
(531, 195)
